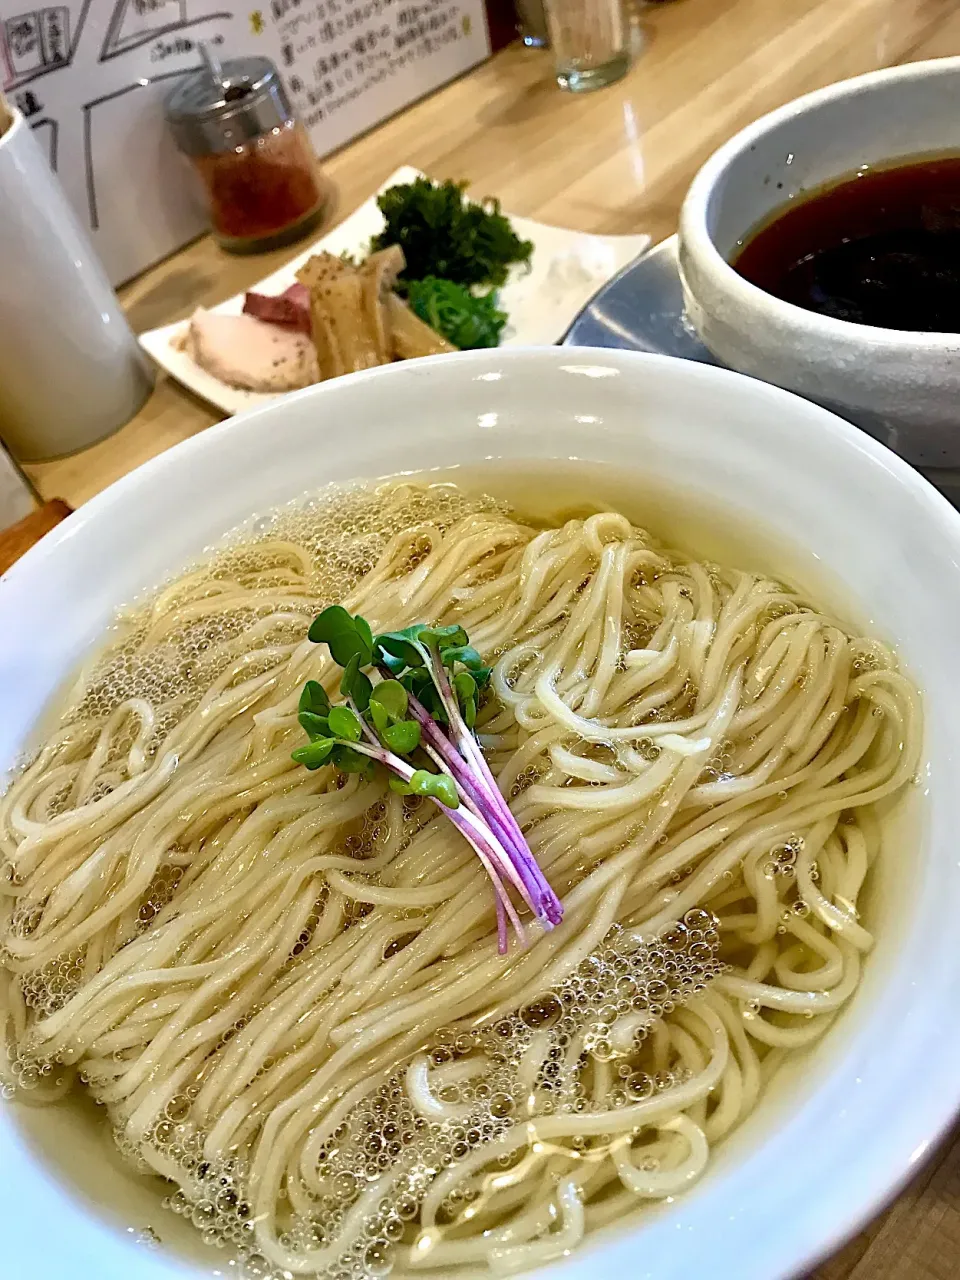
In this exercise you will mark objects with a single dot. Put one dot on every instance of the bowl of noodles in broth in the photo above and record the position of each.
(267, 1019)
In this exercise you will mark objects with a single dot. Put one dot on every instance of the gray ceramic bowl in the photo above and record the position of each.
(902, 387)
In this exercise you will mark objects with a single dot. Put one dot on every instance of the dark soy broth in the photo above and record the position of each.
(879, 247)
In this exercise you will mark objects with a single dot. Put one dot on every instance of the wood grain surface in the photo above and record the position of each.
(20, 537)
(617, 161)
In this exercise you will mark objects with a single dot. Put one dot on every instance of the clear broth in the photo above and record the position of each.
(71, 1137)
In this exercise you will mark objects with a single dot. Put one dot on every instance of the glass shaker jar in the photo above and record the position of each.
(234, 122)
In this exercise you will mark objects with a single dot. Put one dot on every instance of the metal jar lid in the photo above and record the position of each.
(207, 113)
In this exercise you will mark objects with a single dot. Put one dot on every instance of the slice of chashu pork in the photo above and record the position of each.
(251, 354)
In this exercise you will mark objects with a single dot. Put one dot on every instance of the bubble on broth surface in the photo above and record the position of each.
(540, 1060)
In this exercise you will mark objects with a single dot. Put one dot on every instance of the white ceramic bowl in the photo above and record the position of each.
(902, 387)
(828, 1144)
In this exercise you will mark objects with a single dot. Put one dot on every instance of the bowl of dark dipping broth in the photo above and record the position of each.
(820, 250)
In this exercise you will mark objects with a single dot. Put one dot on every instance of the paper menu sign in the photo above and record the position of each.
(351, 63)
(91, 76)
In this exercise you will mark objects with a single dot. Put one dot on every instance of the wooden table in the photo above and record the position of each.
(617, 161)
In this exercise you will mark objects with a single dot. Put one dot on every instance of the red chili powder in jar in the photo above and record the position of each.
(263, 186)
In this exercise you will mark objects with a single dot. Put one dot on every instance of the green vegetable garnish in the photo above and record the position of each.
(314, 699)
(438, 785)
(468, 321)
(424, 705)
(345, 724)
(345, 636)
(445, 235)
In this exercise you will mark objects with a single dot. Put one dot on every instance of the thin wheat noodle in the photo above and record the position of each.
(284, 986)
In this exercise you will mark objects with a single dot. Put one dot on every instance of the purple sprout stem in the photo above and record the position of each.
(544, 902)
(439, 761)
(365, 729)
(478, 822)
(488, 806)
(551, 908)
(483, 842)
(496, 863)
(445, 753)
(502, 943)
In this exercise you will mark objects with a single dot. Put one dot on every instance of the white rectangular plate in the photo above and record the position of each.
(567, 268)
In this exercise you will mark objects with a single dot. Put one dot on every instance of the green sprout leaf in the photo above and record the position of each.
(314, 754)
(420, 684)
(313, 725)
(440, 786)
(365, 634)
(391, 696)
(349, 761)
(465, 654)
(443, 638)
(392, 663)
(445, 790)
(416, 681)
(343, 635)
(314, 699)
(403, 737)
(331, 622)
(345, 724)
(355, 684)
(465, 688)
(399, 650)
(388, 704)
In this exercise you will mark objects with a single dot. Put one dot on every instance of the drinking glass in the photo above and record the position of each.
(533, 23)
(590, 41)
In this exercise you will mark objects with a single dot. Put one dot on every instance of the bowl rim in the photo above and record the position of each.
(695, 239)
(926, 1113)
(156, 467)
